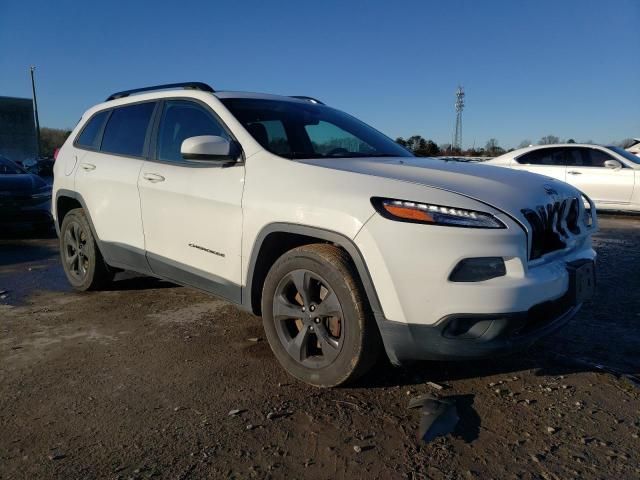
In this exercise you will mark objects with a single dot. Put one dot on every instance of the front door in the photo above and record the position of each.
(605, 186)
(191, 211)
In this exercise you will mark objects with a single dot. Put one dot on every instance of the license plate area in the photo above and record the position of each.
(582, 280)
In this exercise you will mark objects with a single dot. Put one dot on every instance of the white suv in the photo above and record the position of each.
(341, 239)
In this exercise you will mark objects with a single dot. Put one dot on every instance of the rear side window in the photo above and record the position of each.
(126, 129)
(578, 157)
(544, 156)
(180, 120)
(89, 136)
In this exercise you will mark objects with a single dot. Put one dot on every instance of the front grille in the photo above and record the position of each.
(552, 225)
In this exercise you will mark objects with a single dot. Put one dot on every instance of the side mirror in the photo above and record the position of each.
(613, 164)
(210, 148)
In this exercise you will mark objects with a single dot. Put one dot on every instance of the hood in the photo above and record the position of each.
(504, 189)
(21, 183)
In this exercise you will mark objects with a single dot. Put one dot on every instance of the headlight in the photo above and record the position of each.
(415, 212)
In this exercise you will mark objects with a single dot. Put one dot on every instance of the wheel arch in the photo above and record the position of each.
(64, 204)
(277, 238)
(67, 200)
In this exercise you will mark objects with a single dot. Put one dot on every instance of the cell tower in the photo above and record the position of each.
(457, 139)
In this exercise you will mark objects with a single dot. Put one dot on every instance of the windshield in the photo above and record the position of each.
(7, 167)
(308, 130)
(628, 155)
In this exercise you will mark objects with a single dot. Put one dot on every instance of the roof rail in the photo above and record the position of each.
(308, 99)
(186, 85)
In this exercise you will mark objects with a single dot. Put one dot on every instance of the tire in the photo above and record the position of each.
(316, 317)
(82, 261)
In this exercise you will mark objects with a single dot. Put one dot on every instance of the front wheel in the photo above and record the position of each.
(316, 317)
(81, 258)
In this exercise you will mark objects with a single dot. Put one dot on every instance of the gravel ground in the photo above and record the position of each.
(138, 382)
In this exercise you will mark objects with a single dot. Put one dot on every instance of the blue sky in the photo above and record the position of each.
(530, 68)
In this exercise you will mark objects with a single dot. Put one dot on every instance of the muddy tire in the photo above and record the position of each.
(81, 258)
(316, 317)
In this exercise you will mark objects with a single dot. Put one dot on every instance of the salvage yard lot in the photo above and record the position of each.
(138, 382)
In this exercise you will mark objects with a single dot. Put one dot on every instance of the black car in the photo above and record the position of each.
(25, 198)
(42, 166)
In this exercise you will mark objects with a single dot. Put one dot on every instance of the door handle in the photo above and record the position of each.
(573, 172)
(88, 166)
(153, 177)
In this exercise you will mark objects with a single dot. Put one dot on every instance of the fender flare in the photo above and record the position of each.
(323, 234)
(76, 196)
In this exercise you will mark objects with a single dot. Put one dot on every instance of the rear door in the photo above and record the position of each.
(107, 180)
(544, 161)
(605, 186)
(191, 210)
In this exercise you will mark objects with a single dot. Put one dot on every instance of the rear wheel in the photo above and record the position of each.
(81, 258)
(316, 318)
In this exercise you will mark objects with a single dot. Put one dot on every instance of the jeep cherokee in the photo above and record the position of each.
(345, 243)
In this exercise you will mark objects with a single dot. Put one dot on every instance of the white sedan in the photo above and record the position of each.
(634, 147)
(610, 176)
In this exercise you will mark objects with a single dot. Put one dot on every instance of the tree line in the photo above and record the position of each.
(51, 139)
(423, 147)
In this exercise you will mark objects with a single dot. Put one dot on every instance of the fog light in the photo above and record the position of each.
(478, 269)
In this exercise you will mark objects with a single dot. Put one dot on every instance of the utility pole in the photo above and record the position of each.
(35, 111)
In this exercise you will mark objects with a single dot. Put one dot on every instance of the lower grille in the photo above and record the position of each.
(544, 313)
(508, 325)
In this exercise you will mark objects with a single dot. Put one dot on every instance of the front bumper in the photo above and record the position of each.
(410, 265)
(463, 337)
(424, 315)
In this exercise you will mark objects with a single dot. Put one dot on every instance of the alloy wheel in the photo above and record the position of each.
(75, 251)
(308, 318)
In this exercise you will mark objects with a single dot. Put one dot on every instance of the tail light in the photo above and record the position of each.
(55, 154)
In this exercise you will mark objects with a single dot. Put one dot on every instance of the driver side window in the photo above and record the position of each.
(180, 120)
(598, 157)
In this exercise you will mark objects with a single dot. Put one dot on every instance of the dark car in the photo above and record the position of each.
(25, 199)
(42, 166)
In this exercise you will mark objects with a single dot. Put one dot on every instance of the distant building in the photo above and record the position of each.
(17, 129)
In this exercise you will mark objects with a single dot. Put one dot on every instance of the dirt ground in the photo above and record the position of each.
(138, 382)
